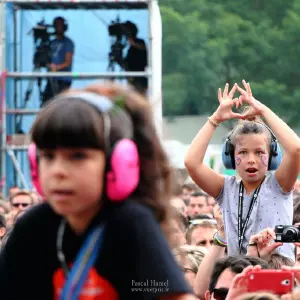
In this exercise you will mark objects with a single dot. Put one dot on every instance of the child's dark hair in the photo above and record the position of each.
(253, 126)
(69, 123)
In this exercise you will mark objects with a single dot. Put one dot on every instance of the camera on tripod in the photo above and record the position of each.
(41, 35)
(119, 31)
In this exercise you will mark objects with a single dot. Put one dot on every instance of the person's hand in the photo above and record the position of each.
(130, 40)
(297, 244)
(239, 285)
(53, 67)
(295, 270)
(219, 218)
(224, 111)
(255, 107)
(263, 244)
(295, 295)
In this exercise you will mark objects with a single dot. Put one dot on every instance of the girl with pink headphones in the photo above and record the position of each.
(100, 166)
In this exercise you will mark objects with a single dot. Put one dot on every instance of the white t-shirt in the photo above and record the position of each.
(273, 207)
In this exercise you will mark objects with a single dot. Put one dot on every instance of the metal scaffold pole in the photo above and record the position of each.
(3, 90)
(76, 75)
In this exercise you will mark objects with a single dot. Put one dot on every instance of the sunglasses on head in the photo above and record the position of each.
(196, 222)
(20, 204)
(220, 294)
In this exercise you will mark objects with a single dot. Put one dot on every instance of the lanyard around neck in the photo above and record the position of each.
(242, 227)
(76, 276)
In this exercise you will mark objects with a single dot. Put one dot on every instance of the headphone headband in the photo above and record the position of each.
(274, 139)
(101, 103)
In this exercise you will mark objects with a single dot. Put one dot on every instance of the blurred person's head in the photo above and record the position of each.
(297, 255)
(277, 261)
(13, 190)
(176, 229)
(254, 261)
(60, 26)
(4, 207)
(21, 200)
(187, 190)
(201, 232)
(2, 226)
(259, 296)
(19, 215)
(179, 205)
(189, 258)
(295, 295)
(224, 272)
(211, 202)
(197, 204)
(10, 218)
(36, 197)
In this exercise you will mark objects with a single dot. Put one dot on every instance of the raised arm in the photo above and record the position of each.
(206, 267)
(207, 179)
(289, 168)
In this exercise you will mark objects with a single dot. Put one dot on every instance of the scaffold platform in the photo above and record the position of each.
(78, 4)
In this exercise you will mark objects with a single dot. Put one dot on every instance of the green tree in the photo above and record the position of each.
(207, 43)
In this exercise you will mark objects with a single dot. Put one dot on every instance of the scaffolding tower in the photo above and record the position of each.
(14, 143)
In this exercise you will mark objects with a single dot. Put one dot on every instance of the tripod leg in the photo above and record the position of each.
(50, 91)
(54, 86)
(26, 99)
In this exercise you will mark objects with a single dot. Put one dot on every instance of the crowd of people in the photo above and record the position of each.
(17, 202)
(207, 266)
(109, 220)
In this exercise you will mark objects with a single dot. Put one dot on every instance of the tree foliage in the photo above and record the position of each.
(207, 43)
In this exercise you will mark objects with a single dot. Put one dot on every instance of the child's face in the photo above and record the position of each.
(72, 180)
(251, 156)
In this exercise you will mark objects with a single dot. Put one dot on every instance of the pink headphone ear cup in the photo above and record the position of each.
(34, 169)
(124, 174)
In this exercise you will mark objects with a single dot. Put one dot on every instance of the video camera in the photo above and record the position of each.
(41, 36)
(119, 31)
(40, 32)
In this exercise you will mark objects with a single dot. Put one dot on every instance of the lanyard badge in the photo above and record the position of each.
(243, 226)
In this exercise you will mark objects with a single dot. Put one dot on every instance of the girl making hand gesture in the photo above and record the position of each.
(259, 199)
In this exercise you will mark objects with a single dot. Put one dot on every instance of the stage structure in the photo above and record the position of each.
(14, 163)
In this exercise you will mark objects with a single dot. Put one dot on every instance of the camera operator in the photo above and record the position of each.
(62, 49)
(136, 59)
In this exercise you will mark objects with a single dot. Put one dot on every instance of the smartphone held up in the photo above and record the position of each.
(278, 282)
